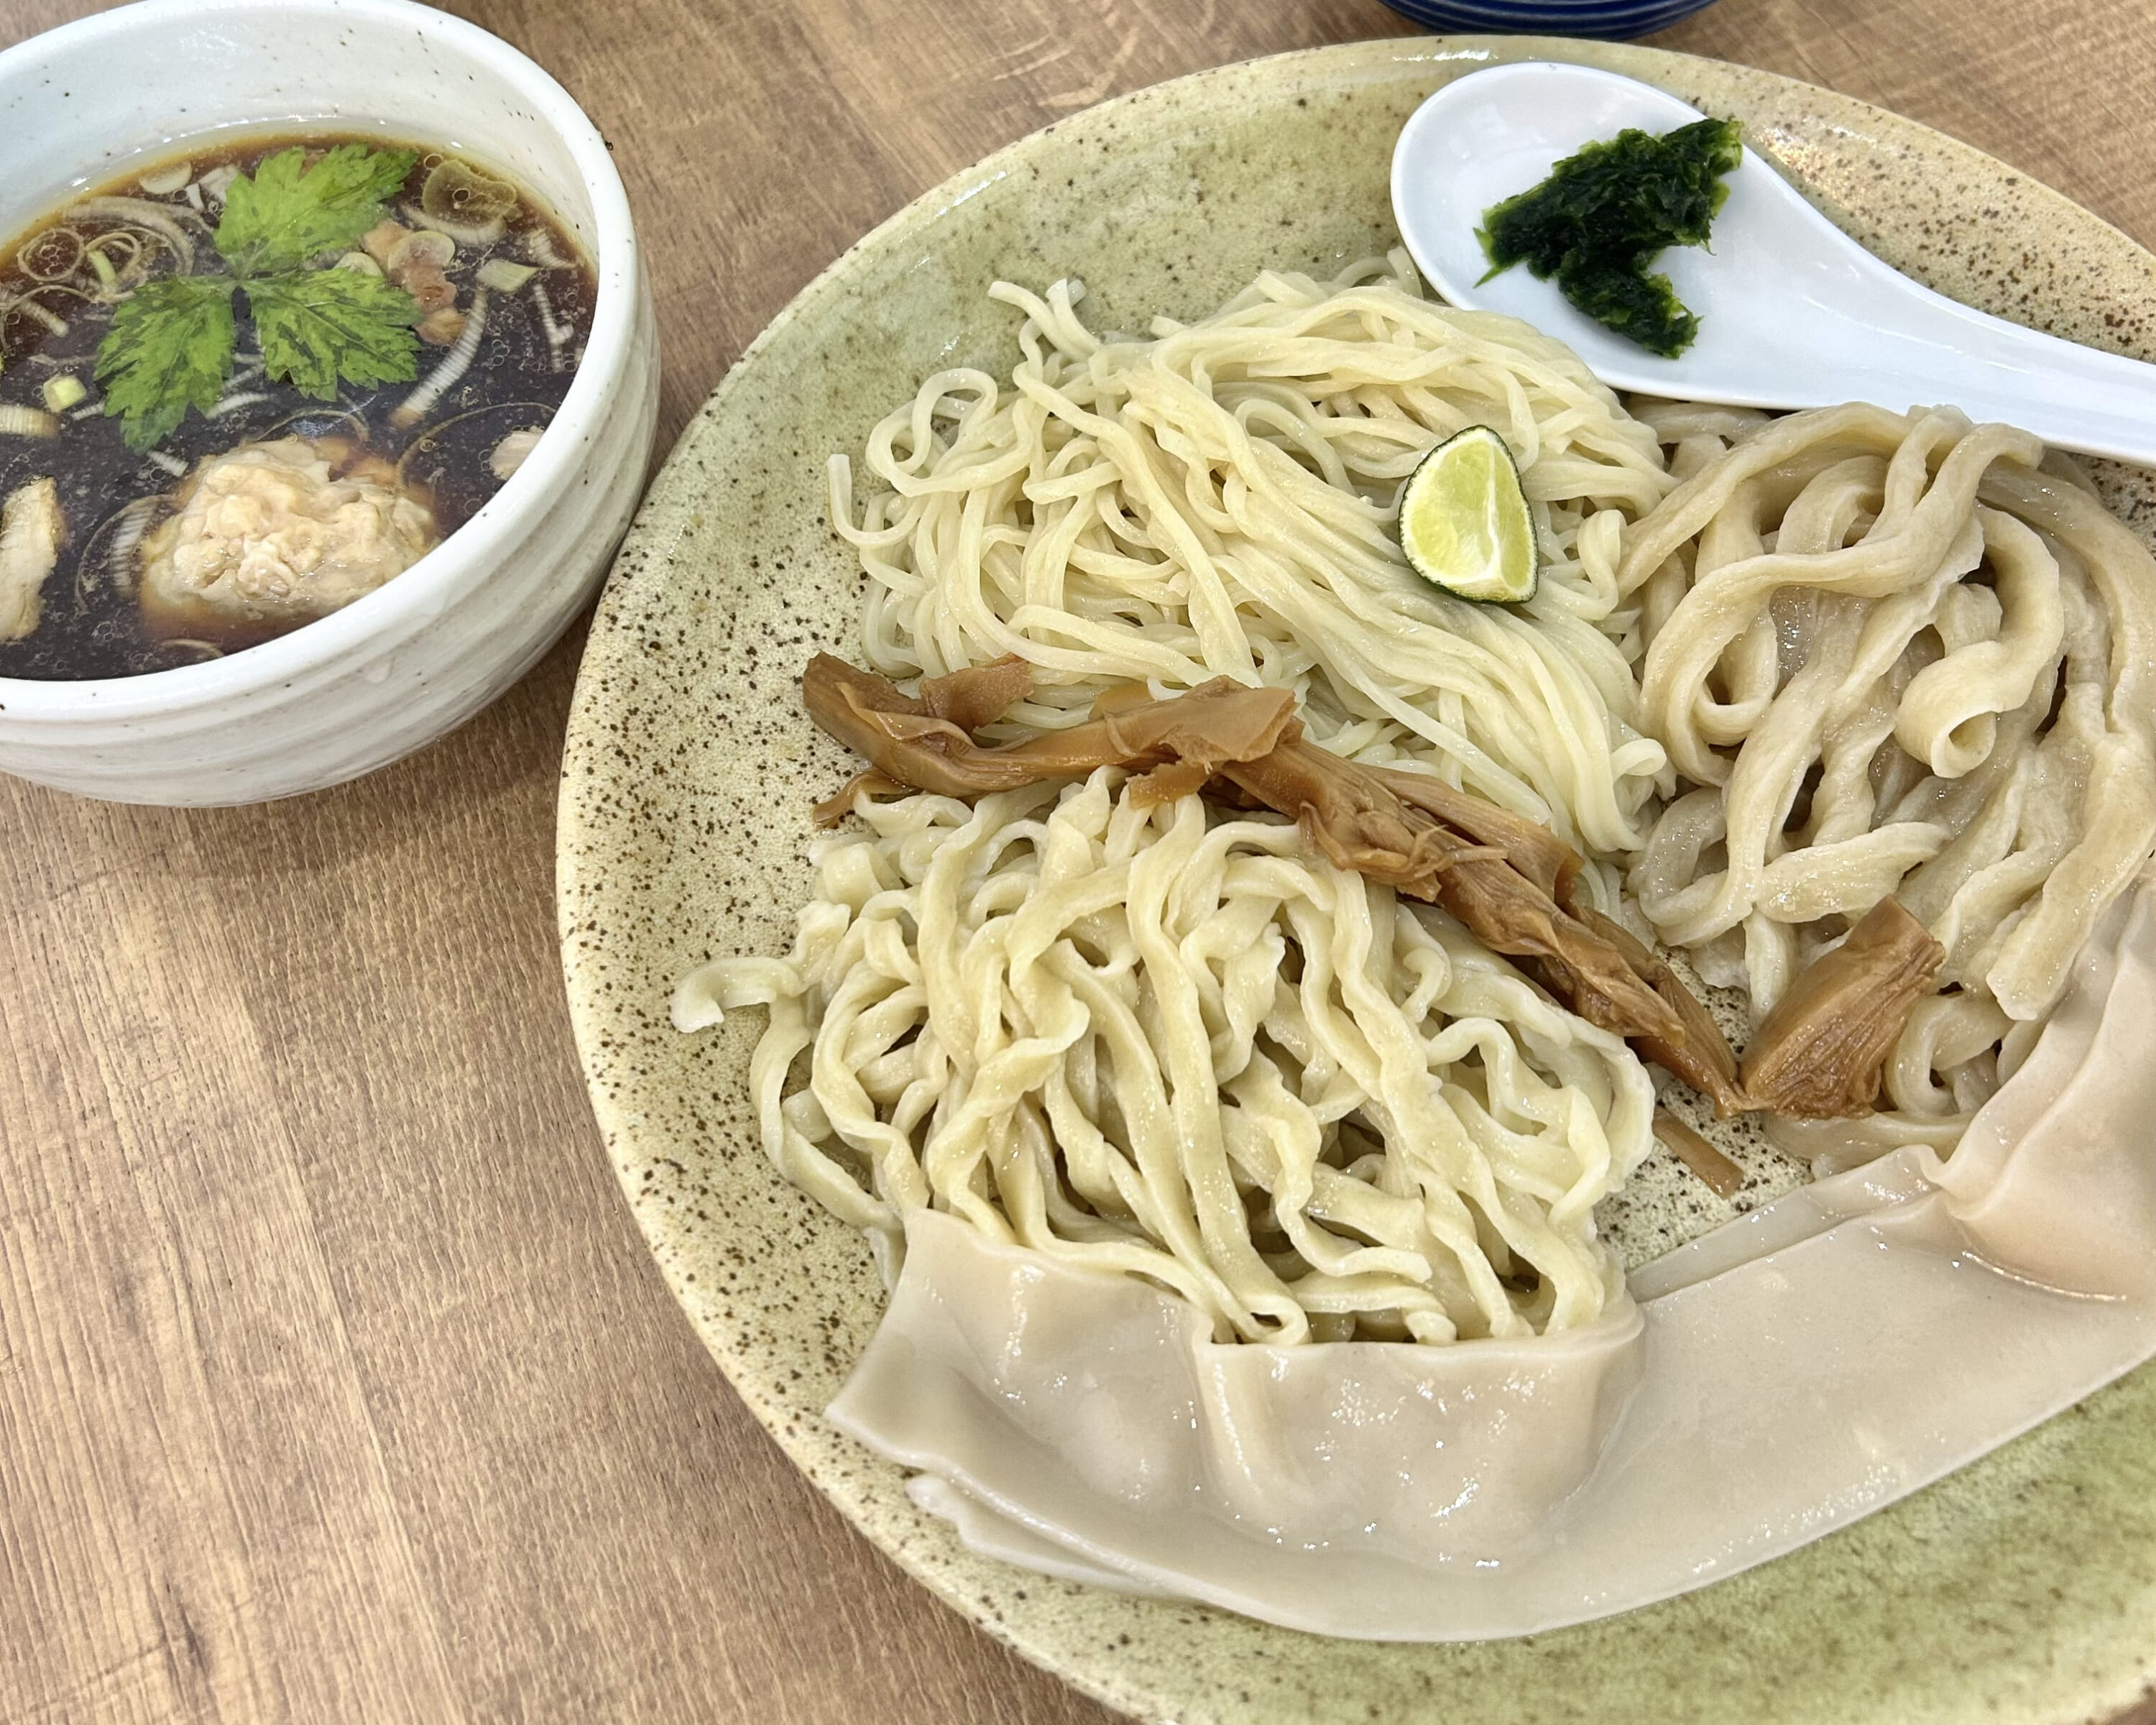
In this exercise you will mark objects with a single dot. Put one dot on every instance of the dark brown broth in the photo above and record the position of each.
(89, 628)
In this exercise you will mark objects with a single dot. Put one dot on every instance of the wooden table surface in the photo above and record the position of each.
(335, 1383)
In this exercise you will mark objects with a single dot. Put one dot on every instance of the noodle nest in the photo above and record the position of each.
(1156, 1042)
(1788, 669)
(1893, 655)
(1223, 499)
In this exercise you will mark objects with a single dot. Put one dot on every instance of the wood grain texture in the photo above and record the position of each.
(335, 1382)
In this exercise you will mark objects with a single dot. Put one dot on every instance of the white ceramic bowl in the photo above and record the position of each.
(424, 652)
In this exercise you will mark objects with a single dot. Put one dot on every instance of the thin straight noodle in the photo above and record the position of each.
(1222, 499)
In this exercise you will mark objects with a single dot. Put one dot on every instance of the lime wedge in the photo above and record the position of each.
(1464, 520)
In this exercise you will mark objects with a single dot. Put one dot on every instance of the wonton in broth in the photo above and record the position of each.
(243, 389)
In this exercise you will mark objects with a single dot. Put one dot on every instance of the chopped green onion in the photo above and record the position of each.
(16, 421)
(503, 276)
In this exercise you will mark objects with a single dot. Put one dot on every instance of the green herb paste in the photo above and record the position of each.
(1599, 219)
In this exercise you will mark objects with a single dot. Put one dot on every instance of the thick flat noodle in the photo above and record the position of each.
(1789, 1374)
(1820, 1052)
(1896, 656)
(2042, 1173)
(992, 1536)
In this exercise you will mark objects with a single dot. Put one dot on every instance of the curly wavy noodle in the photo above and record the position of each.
(1893, 655)
(1176, 1046)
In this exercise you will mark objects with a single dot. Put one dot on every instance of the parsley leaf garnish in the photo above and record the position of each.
(283, 218)
(317, 325)
(171, 344)
(169, 349)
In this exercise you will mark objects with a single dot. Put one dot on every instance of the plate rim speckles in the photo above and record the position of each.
(2023, 1587)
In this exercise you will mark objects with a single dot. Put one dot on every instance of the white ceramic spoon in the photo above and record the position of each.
(1793, 313)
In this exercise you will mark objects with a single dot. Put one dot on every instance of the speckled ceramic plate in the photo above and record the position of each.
(2020, 1590)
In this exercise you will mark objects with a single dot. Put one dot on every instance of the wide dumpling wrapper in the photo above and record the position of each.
(1775, 1380)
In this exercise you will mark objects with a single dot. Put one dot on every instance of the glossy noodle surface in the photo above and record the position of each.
(1222, 498)
(1893, 655)
(1146, 1042)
